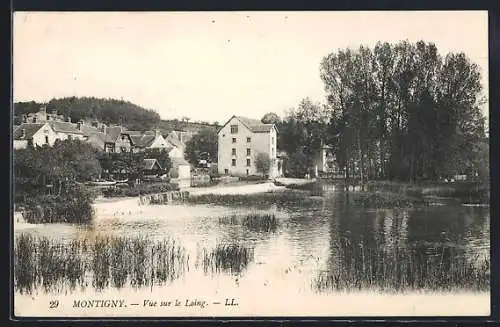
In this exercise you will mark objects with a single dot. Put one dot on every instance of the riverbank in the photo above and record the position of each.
(463, 192)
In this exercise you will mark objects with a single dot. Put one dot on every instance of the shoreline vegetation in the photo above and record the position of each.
(76, 205)
(104, 262)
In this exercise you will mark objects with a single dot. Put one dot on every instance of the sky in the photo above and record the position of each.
(209, 66)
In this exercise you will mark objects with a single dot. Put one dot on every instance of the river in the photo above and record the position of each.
(324, 257)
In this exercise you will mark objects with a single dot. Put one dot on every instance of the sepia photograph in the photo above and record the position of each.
(250, 164)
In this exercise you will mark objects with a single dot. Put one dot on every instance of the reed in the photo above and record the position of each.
(104, 261)
(279, 198)
(398, 269)
(231, 258)
(256, 222)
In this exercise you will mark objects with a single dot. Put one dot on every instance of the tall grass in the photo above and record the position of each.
(53, 265)
(230, 258)
(256, 222)
(280, 198)
(402, 269)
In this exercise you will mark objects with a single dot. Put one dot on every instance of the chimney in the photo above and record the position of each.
(68, 119)
(79, 124)
(103, 128)
(43, 109)
(23, 133)
(157, 133)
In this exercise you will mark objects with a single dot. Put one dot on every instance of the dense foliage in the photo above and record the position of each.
(202, 146)
(262, 164)
(403, 111)
(59, 166)
(397, 111)
(46, 181)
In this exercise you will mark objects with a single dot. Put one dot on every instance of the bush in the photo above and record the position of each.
(253, 178)
(140, 189)
(73, 206)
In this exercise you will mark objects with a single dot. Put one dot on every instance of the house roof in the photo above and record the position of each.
(65, 127)
(88, 130)
(105, 138)
(114, 131)
(150, 163)
(254, 125)
(142, 139)
(29, 130)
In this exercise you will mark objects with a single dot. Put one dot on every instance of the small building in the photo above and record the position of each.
(43, 116)
(152, 167)
(181, 171)
(324, 163)
(240, 141)
(142, 140)
(33, 134)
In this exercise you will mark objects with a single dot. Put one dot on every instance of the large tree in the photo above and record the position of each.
(402, 111)
(60, 165)
(202, 146)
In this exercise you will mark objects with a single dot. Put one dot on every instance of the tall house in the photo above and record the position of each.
(240, 141)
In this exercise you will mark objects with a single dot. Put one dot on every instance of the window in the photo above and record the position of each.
(234, 139)
(124, 149)
(70, 137)
(272, 152)
(272, 139)
(248, 162)
(249, 140)
(247, 172)
(233, 151)
(46, 140)
(233, 162)
(248, 151)
(234, 129)
(226, 171)
(123, 137)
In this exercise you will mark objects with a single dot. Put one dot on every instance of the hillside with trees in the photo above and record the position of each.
(111, 111)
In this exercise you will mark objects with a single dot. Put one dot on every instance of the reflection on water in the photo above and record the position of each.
(313, 246)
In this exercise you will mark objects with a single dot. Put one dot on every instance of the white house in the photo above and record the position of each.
(240, 141)
(39, 134)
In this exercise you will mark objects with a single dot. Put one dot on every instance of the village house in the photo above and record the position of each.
(42, 116)
(46, 133)
(142, 140)
(152, 167)
(325, 163)
(240, 141)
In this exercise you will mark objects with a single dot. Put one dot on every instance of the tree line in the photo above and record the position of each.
(396, 111)
(108, 111)
(71, 162)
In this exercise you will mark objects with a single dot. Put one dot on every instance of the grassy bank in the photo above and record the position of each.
(139, 189)
(464, 191)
